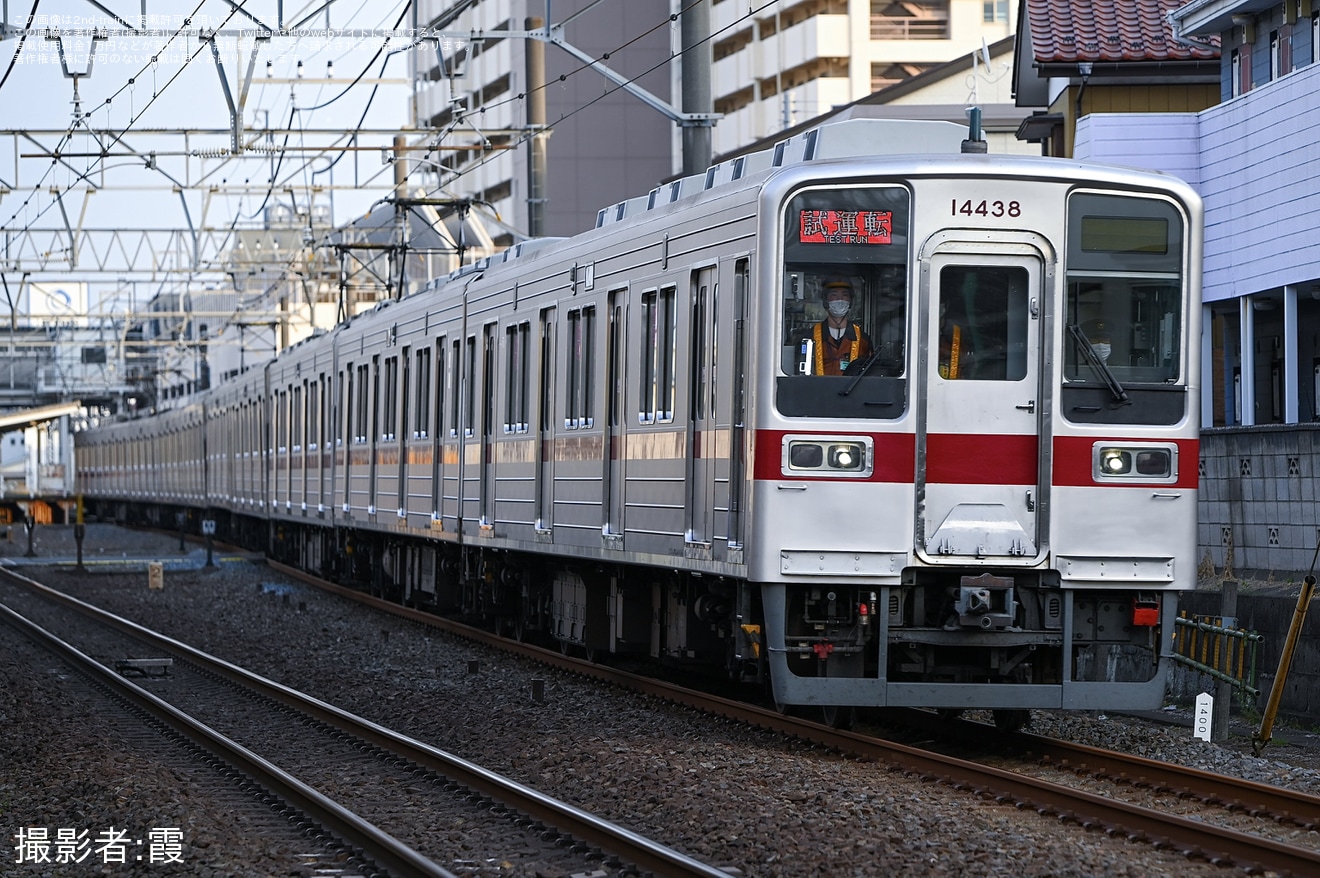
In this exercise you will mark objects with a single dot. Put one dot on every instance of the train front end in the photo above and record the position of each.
(975, 451)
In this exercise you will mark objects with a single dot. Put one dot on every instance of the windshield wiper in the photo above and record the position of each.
(861, 369)
(1099, 365)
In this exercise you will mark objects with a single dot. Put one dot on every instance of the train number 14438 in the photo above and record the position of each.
(986, 208)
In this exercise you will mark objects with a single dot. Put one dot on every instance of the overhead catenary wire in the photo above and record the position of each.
(275, 180)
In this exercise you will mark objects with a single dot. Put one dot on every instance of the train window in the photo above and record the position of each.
(282, 421)
(362, 403)
(1122, 321)
(579, 411)
(469, 395)
(546, 394)
(659, 326)
(517, 376)
(439, 387)
(405, 393)
(296, 417)
(313, 415)
(844, 312)
(488, 356)
(456, 383)
(389, 404)
(422, 408)
(983, 323)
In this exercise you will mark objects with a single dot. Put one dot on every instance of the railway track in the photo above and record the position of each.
(1197, 837)
(354, 757)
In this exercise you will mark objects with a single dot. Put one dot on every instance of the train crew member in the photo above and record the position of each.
(839, 342)
(1097, 333)
(955, 348)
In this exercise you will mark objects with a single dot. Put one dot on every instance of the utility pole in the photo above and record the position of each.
(697, 61)
(400, 209)
(536, 152)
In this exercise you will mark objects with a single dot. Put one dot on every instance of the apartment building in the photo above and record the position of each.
(788, 62)
(776, 64)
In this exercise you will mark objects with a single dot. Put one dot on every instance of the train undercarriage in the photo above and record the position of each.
(946, 639)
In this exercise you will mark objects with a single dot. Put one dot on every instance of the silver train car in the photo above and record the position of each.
(971, 486)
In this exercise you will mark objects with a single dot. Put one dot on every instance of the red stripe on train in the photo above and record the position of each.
(895, 455)
(1073, 465)
(981, 459)
(977, 459)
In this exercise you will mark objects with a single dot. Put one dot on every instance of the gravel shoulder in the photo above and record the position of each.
(737, 797)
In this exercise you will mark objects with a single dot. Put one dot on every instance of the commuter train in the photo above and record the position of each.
(633, 442)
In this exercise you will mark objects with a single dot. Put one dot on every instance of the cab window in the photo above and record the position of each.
(843, 305)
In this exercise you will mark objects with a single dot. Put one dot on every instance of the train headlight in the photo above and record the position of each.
(827, 457)
(1136, 461)
(1115, 461)
(848, 455)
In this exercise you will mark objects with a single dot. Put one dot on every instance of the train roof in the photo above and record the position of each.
(937, 145)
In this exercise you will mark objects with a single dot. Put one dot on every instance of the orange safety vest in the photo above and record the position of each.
(950, 369)
(818, 334)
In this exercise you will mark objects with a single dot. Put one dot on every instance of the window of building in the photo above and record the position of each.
(994, 11)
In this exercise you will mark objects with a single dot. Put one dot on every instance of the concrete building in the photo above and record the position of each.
(943, 93)
(605, 144)
(775, 65)
(792, 61)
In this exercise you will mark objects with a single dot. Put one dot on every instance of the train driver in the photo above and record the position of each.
(1097, 333)
(955, 348)
(839, 342)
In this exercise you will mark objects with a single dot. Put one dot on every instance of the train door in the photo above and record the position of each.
(486, 490)
(615, 419)
(437, 445)
(467, 478)
(982, 447)
(301, 400)
(701, 417)
(405, 437)
(545, 421)
(373, 436)
(738, 414)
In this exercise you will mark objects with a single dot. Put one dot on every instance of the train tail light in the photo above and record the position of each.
(1146, 610)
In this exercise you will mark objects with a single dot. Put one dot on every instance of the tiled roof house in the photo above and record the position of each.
(1109, 56)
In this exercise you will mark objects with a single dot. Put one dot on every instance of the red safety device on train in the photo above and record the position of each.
(1146, 610)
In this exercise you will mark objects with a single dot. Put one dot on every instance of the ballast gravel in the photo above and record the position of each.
(742, 799)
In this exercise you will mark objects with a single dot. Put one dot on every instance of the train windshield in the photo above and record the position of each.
(844, 302)
(1125, 286)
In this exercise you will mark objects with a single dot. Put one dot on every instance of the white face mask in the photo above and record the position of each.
(1102, 351)
(838, 307)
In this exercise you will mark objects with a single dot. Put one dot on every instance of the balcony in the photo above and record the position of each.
(906, 27)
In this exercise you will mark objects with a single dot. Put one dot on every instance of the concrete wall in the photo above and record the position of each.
(1258, 523)
(1257, 509)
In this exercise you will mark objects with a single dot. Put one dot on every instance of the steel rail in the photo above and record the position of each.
(1233, 793)
(382, 848)
(1217, 845)
(573, 821)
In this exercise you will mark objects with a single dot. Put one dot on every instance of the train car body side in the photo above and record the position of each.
(873, 430)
